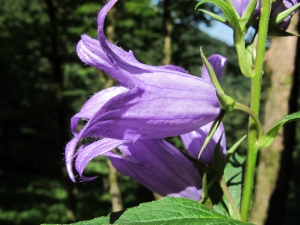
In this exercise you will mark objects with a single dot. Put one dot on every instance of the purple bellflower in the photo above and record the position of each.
(150, 102)
(277, 7)
(154, 162)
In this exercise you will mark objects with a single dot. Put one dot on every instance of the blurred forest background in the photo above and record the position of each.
(43, 83)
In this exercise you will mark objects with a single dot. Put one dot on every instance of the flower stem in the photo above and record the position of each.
(246, 109)
(230, 199)
(255, 105)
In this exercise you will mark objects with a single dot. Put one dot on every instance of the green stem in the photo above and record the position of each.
(255, 104)
(246, 109)
(231, 201)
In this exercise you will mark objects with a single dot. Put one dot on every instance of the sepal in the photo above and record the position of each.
(214, 16)
(248, 14)
(276, 32)
(211, 132)
(229, 11)
(275, 21)
(211, 73)
(226, 102)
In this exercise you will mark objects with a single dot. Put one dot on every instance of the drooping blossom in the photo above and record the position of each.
(277, 7)
(149, 102)
(153, 162)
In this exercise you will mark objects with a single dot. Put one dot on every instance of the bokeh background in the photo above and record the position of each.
(43, 83)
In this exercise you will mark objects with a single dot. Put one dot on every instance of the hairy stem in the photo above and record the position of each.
(255, 105)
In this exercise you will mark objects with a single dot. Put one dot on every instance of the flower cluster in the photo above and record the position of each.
(150, 103)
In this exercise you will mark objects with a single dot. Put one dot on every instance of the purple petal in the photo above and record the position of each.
(240, 6)
(154, 114)
(69, 156)
(218, 63)
(174, 68)
(161, 167)
(99, 148)
(141, 74)
(194, 141)
(91, 53)
(94, 104)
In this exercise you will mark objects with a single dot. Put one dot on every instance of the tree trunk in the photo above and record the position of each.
(56, 62)
(280, 65)
(114, 190)
(167, 28)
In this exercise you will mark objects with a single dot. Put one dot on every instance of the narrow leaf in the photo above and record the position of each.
(211, 133)
(234, 178)
(214, 16)
(211, 73)
(276, 32)
(281, 16)
(247, 16)
(268, 138)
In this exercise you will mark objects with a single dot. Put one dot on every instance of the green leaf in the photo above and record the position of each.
(268, 138)
(229, 11)
(234, 179)
(168, 210)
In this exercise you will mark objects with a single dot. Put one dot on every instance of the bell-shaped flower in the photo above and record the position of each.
(152, 162)
(149, 102)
